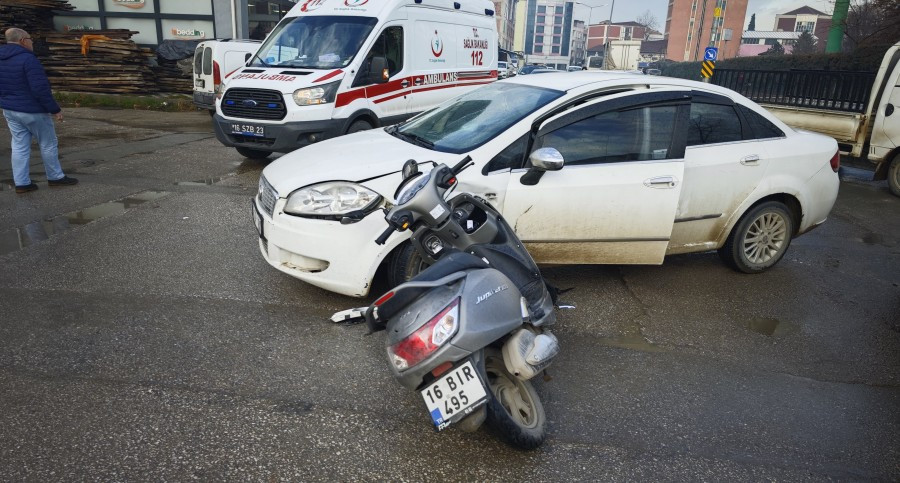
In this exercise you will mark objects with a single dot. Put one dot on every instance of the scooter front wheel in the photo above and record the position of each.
(514, 409)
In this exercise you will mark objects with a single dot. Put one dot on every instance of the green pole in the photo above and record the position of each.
(836, 32)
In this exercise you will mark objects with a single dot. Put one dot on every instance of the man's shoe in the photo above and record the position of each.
(64, 181)
(26, 188)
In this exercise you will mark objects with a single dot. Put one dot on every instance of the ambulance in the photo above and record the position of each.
(332, 67)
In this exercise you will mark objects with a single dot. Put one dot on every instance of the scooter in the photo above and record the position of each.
(470, 331)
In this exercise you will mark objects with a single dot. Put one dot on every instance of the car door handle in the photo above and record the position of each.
(661, 182)
(752, 160)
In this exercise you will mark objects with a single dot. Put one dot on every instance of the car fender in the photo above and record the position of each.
(781, 184)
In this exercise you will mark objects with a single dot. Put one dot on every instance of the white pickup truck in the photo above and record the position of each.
(855, 108)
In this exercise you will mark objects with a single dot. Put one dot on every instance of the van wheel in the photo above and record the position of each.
(253, 153)
(759, 239)
(359, 126)
(514, 409)
(405, 264)
(894, 176)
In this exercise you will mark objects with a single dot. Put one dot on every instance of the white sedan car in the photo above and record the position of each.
(651, 166)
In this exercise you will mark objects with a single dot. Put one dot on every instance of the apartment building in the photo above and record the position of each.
(693, 25)
(544, 31)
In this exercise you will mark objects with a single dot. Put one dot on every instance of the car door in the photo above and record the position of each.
(723, 165)
(614, 200)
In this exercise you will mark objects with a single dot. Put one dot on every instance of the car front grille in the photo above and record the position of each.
(254, 104)
(267, 196)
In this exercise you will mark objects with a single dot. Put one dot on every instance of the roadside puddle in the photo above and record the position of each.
(770, 327)
(204, 182)
(23, 236)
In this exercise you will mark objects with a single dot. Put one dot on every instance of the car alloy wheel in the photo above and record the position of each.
(759, 239)
(765, 238)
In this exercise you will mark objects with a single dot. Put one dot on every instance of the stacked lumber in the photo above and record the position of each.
(33, 16)
(170, 76)
(115, 65)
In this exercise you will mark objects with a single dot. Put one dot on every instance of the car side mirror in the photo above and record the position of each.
(247, 57)
(547, 159)
(542, 160)
(378, 71)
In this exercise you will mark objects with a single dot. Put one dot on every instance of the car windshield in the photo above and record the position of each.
(470, 120)
(322, 42)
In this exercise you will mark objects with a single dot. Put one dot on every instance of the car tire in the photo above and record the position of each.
(253, 153)
(359, 126)
(894, 175)
(404, 264)
(514, 409)
(760, 239)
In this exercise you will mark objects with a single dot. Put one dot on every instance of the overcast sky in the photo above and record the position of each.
(625, 10)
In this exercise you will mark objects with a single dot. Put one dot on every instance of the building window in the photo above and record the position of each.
(539, 29)
(542, 9)
(559, 10)
(555, 49)
(540, 19)
(805, 27)
(557, 30)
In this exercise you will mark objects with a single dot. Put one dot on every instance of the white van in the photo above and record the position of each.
(213, 61)
(332, 67)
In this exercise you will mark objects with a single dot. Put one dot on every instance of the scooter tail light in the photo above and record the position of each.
(426, 339)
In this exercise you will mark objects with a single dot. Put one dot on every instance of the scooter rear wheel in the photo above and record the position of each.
(514, 409)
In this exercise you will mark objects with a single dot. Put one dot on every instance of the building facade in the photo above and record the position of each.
(598, 33)
(160, 20)
(545, 32)
(693, 25)
(505, 13)
(579, 43)
(805, 19)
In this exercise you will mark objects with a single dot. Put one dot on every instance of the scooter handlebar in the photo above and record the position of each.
(384, 235)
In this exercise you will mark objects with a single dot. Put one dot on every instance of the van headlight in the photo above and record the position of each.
(333, 198)
(312, 96)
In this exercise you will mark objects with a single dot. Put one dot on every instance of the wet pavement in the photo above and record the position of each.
(143, 337)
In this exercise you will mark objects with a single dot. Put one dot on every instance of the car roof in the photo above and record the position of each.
(567, 81)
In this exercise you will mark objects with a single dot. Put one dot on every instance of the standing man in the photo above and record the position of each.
(27, 104)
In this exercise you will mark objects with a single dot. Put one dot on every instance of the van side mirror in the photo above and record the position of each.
(542, 160)
(378, 71)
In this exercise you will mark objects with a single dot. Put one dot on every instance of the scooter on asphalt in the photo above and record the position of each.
(470, 331)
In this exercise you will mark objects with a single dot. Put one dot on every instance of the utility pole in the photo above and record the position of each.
(606, 36)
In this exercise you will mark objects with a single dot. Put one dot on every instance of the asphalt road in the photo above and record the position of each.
(142, 337)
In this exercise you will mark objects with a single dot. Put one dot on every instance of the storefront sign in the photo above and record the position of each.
(188, 34)
(130, 3)
(78, 27)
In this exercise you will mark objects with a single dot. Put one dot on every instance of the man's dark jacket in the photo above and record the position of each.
(23, 83)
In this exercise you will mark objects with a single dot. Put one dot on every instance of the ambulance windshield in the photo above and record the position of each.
(314, 42)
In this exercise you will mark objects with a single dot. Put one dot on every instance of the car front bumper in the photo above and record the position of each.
(325, 253)
(280, 138)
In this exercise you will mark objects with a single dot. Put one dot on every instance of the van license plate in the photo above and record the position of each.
(454, 396)
(248, 130)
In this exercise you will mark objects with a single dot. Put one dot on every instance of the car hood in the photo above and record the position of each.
(356, 157)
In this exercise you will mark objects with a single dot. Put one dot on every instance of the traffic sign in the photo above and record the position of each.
(718, 12)
(706, 69)
(711, 53)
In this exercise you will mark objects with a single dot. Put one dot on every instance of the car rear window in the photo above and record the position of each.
(761, 127)
(713, 124)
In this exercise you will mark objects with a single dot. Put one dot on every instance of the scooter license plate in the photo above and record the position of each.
(454, 396)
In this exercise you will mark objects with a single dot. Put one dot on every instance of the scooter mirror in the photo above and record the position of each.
(410, 169)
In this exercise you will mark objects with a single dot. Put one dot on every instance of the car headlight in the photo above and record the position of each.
(333, 198)
(311, 96)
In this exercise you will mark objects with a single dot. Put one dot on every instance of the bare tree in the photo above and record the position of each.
(648, 21)
(871, 22)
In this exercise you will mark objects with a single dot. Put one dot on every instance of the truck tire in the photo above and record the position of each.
(357, 126)
(760, 238)
(514, 409)
(253, 153)
(894, 175)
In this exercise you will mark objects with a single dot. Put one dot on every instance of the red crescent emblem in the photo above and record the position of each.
(439, 52)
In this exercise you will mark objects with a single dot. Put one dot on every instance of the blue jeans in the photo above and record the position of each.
(23, 126)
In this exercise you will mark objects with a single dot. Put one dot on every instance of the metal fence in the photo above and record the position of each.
(841, 91)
